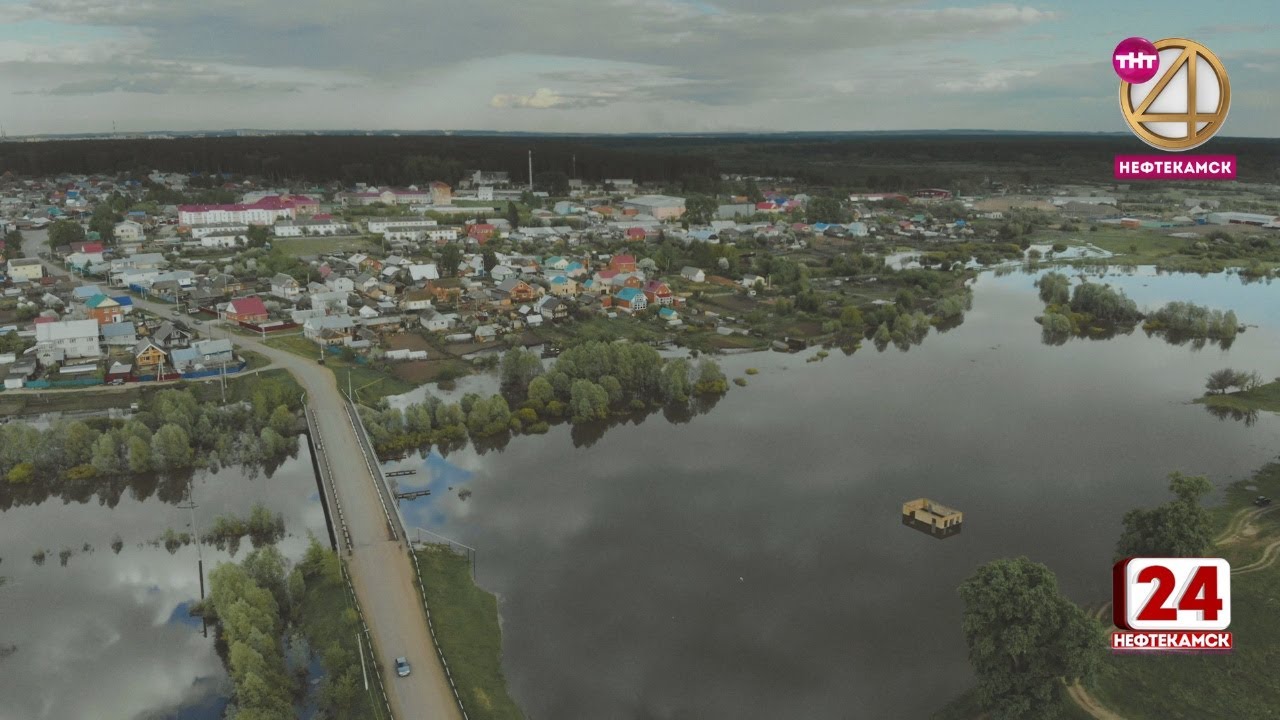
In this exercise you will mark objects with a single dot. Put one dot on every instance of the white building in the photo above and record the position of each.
(263, 212)
(67, 340)
(661, 207)
(380, 225)
(485, 192)
(29, 269)
(693, 274)
(199, 231)
(128, 232)
(224, 240)
(285, 287)
(311, 227)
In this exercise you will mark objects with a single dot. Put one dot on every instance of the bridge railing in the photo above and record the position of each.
(395, 528)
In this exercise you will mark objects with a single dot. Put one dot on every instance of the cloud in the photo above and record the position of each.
(547, 99)
(989, 81)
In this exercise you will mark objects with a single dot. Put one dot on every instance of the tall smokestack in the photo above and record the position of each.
(530, 171)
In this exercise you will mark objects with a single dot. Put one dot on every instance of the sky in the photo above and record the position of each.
(604, 65)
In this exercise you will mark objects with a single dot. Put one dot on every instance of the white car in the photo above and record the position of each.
(402, 667)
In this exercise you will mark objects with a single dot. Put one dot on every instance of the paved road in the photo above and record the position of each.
(380, 569)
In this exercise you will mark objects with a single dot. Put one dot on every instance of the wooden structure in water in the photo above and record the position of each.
(932, 518)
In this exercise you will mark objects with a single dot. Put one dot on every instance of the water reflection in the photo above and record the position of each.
(106, 633)
(753, 564)
(1248, 417)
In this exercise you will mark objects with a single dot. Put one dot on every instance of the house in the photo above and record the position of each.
(338, 283)
(441, 193)
(693, 274)
(285, 287)
(553, 308)
(481, 232)
(329, 330)
(502, 272)
(555, 262)
(224, 240)
(623, 263)
(562, 286)
(518, 291)
(28, 269)
(749, 281)
(439, 322)
(429, 271)
(148, 356)
(414, 300)
(246, 310)
(204, 354)
(657, 292)
(104, 309)
(668, 315)
(931, 517)
(84, 293)
(128, 232)
(636, 234)
(632, 299)
(120, 334)
(446, 290)
(486, 333)
(66, 340)
(170, 336)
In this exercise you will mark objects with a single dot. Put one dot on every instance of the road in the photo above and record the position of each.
(384, 579)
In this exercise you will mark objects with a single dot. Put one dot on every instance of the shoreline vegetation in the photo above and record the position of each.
(588, 384)
(174, 432)
(272, 620)
(1097, 311)
(468, 630)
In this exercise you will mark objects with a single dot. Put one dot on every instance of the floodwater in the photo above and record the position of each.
(108, 635)
(751, 563)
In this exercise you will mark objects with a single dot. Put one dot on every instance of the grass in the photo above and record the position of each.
(323, 245)
(369, 383)
(1243, 684)
(67, 400)
(466, 623)
(1264, 397)
(325, 619)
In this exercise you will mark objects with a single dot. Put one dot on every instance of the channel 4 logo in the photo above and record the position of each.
(1174, 96)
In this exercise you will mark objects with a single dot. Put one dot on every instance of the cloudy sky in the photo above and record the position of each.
(603, 65)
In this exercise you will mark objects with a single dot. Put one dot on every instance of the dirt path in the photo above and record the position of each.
(1239, 521)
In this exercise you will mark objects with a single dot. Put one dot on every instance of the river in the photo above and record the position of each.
(752, 564)
(107, 635)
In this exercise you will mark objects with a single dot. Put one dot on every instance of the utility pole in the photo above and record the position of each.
(195, 531)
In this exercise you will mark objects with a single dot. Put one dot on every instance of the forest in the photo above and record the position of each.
(868, 161)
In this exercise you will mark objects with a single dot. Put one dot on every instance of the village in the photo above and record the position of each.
(416, 276)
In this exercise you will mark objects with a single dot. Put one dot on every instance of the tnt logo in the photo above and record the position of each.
(1171, 604)
(1135, 60)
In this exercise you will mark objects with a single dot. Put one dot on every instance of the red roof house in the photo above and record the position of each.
(246, 309)
(636, 234)
(623, 263)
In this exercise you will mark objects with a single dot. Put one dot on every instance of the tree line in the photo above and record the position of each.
(588, 383)
(172, 432)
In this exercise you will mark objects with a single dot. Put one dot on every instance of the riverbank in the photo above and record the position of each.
(369, 384)
(465, 618)
(1262, 398)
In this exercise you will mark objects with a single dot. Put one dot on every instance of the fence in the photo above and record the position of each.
(268, 328)
(78, 382)
(214, 372)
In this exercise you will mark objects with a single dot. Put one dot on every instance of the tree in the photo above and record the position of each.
(104, 221)
(1055, 288)
(283, 421)
(490, 259)
(1178, 528)
(1221, 380)
(823, 209)
(171, 448)
(851, 318)
(700, 209)
(552, 182)
(139, 455)
(588, 401)
(711, 380)
(513, 216)
(541, 392)
(518, 369)
(450, 257)
(1024, 638)
(65, 232)
(106, 455)
(258, 236)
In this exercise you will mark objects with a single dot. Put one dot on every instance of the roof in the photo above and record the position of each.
(620, 259)
(283, 279)
(101, 300)
(66, 330)
(630, 294)
(145, 344)
(656, 201)
(247, 306)
(115, 330)
(270, 202)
